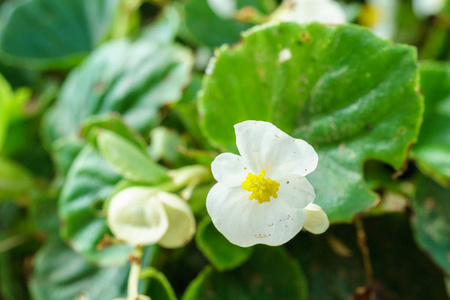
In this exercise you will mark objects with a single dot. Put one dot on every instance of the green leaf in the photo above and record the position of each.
(89, 183)
(64, 152)
(432, 151)
(129, 160)
(330, 260)
(114, 123)
(134, 79)
(15, 181)
(158, 286)
(186, 109)
(268, 274)
(220, 30)
(219, 251)
(431, 207)
(49, 34)
(165, 28)
(12, 285)
(310, 82)
(165, 145)
(60, 273)
(6, 96)
(197, 201)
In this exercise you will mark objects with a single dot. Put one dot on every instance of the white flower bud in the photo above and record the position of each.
(316, 220)
(143, 216)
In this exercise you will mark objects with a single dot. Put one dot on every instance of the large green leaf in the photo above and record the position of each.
(432, 151)
(268, 274)
(55, 34)
(431, 225)
(310, 82)
(132, 78)
(60, 273)
(90, 181)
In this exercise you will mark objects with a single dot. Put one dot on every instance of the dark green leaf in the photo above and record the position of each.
(431, 225)
(158, 285)
(60, 273)
(49, 34)
(268, 274)
(333, 264)
(220, 30)
(220, 252)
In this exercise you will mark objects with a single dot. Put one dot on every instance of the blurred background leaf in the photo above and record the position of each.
(432, 151)
(53, 34)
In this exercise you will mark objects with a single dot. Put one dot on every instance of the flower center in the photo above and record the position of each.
(369, 15)
(261, 188)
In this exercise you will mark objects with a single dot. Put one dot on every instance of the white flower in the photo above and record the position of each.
(143, 216)
(425, 8)
(380, 17)
(261, 196)
(306, 11)
(225, 9)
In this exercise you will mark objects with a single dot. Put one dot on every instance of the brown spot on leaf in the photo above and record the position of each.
(305, 37)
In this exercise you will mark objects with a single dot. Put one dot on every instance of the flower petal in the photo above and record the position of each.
(265, 147)
(181, 221)
(136, 218)
(316, 219)
(245, 222)
(230, 169)
(307, 11)
(295, 191)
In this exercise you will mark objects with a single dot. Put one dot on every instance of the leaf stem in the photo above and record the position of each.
(12, 242)
(124, 17)
(133, 279)
(362, 244)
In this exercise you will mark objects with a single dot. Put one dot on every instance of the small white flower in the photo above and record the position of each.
(306, 11)
(380, 17)
(144, 216)
(316, 219)
(426, 8)
(225, 9)
(261, 196)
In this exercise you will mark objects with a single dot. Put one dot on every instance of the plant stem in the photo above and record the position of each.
(124, 18)
(362, 244)
(12, 242)
(133, 278)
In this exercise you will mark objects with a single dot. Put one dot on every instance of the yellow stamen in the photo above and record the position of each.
(369, 15)
(261, 188)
